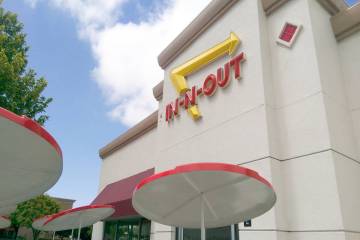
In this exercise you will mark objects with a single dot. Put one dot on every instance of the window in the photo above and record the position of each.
(110, 231)
(127, 229)
(223, 233)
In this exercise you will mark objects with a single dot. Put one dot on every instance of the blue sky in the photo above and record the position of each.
(78, 118)
(67, 47)
(351, 2)
(90, 59)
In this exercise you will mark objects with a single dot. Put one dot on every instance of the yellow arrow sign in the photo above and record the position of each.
(178, 74)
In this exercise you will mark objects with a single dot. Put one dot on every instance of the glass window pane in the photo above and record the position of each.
(191, 234)
(123, 232)
(110, 230)
(135, 232)
(127, 229)
(145, 229)
(223, 233)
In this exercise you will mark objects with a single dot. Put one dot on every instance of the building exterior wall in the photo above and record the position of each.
(136, 157)
(349, 56)
(348, 172)
(64, 203)
(294, 117)
(233, 127)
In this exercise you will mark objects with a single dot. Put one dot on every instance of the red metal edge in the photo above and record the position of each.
(65, 212)
(32, 126)
(206, 166)
(39, 218)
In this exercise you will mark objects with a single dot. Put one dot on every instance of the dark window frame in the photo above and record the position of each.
(234, 232)
(140, 222)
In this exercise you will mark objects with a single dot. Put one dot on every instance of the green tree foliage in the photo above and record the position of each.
(20, 89)
(32, 209)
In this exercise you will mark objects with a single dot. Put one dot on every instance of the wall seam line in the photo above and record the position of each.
(300, 156)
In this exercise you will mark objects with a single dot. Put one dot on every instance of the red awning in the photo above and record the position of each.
(119, 194)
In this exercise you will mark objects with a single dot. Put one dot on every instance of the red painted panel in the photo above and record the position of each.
(288, 32)
(123, 209)
(119, 194)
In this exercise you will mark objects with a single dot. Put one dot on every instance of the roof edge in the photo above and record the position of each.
(271, 5)
(210, 14)
(130, 135)
(346, 22)
(158, 90)
(215, 10)
(333, 6)
(63, 199)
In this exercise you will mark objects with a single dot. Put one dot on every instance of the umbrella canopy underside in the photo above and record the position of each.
(4, 222)
(74, 218)
(230, 194)
(31, 160)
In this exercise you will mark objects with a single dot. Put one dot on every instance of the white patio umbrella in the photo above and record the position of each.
(31, 160)
(74, 218)
(4, 222)
(203, 195)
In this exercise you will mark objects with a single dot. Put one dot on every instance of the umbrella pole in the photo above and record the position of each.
(78, 238)
(72, 234)
(203, 233)
(54, 235)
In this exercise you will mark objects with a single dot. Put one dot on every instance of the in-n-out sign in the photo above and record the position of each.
(188, 97)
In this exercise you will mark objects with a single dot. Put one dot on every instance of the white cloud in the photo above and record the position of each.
(126, 53)
(92, 15)
(32, 3)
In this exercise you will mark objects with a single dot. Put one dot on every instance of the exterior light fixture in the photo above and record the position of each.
(288, 34)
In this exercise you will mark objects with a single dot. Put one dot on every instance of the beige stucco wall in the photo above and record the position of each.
(294, 117)
(349, 54)
(293, 97)
(348, 173)
(136, 157)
